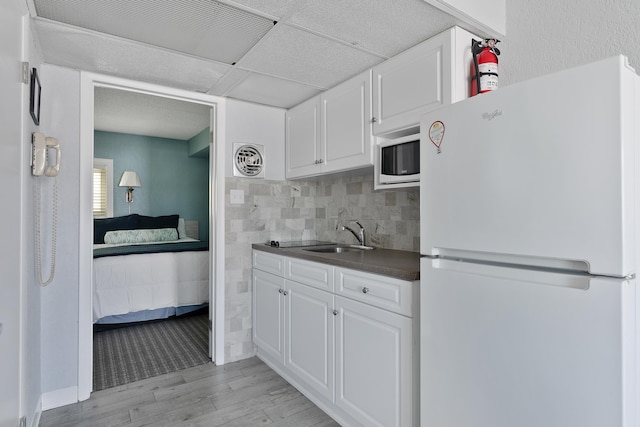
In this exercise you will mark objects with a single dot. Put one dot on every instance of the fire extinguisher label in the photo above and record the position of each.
(488, 67)
(488, 82)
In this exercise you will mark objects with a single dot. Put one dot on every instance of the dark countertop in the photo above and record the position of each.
(403, 265)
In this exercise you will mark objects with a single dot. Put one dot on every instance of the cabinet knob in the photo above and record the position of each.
(365, 290)
(335, 312)
(374, 120)
(285, 293)
(280, 290)
(320, 161)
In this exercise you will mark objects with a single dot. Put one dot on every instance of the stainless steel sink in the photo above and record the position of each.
(340, 249)
(333, 250)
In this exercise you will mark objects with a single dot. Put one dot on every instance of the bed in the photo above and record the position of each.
(146, 268)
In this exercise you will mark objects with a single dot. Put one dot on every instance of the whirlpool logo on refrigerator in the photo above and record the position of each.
(492, 115)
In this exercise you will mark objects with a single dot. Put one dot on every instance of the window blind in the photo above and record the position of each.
(99, 192)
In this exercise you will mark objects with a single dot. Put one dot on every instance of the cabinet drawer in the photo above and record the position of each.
(268, 262)
(379, 291)
(310, 273)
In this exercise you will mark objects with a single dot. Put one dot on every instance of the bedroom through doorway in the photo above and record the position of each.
(151, 215)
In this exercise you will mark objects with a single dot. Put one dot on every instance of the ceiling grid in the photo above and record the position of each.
(233, 48)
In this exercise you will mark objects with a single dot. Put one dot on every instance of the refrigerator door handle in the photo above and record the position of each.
(518, 260)
(530, 275)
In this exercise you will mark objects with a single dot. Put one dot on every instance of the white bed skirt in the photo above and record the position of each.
(132, 283)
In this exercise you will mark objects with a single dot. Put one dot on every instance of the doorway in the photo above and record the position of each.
(89, 82)
(150, 309)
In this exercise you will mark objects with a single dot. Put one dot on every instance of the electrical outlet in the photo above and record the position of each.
(236, 196)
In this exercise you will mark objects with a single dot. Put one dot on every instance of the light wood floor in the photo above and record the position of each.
(244, 393)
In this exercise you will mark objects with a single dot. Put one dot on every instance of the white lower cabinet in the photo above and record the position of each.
(268, 313)
(353, 359)
(373, 364)
(309, 326)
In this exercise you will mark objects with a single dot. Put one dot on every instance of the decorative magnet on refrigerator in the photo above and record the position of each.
(436, 134)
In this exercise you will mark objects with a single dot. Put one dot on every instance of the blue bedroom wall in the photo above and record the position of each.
(199, 144)
(171, 181)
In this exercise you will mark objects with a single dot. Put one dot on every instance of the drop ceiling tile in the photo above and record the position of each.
(228, 81)
(273, 91)
(275, 8)
(228, 43)
(386, 27)
(199, 27)
(85, 50)
(304, 57)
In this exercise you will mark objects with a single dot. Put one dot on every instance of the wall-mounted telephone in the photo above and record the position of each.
(41, 146)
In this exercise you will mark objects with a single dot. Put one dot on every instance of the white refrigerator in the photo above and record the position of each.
(529, 234)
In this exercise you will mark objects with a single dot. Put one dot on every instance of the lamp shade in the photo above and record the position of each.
(129, 179)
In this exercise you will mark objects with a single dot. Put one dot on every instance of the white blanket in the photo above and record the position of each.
(130, 283)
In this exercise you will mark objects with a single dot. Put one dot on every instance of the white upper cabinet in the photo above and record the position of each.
(331, 132)
(346, 125)
(486, 17)
(303, 139)
(434, 73)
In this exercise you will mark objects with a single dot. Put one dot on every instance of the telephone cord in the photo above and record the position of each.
(54, 218)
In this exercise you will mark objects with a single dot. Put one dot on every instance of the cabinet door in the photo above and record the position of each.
(303, 139)
(412, 83)
(373, 364)
(268, 314)
(346, 125)
(309, 321)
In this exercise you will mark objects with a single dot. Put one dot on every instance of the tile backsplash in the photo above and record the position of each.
(304, 210)
(391, 218)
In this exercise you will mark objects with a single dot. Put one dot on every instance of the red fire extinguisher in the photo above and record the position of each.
(484, 75)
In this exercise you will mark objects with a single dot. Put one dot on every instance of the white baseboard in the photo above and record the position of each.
(58, 398)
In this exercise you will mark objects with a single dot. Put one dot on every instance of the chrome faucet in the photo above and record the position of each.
(360, 236)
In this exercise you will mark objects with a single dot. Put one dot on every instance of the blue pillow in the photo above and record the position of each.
(166, 221)
(102, 225)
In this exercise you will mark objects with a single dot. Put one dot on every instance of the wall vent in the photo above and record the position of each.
(248, 160)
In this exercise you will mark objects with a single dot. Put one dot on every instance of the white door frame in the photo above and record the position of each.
(88, 81)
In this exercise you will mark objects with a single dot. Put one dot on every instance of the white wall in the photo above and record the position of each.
(59, 321)
(31, 289)
(257, 124)
(19, 294)
(11, 143)
(549, 35)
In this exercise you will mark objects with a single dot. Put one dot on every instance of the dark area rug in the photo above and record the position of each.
(132, 353)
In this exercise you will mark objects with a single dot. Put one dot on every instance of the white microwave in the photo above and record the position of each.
(397, 162)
